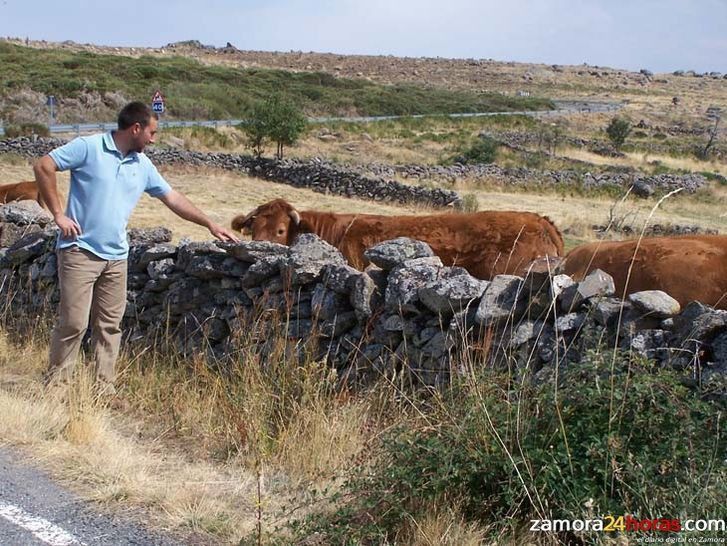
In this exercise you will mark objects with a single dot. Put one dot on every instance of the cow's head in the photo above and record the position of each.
(276, 221)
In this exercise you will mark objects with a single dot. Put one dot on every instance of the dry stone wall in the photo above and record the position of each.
(314, 175)
(375, 181)
(643, 185)
(405, 312)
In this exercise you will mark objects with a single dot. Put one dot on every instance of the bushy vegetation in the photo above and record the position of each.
(470, 203)
(194, 90)
(277, 120)
(612, 436)
(482, 150)
(26, 129)
(720, 179)
(618, 130)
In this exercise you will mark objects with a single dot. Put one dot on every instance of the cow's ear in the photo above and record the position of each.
(243, 222)
(295, 216)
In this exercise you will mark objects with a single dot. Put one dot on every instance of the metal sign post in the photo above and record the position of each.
(51, 102)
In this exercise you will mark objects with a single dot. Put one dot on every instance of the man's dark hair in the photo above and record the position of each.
(135, 112)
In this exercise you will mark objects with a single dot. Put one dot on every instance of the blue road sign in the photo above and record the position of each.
(157, 102)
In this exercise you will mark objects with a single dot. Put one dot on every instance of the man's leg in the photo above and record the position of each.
(77, 273)
(107, 310)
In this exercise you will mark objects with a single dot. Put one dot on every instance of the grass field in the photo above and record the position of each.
(267, 453)
(223, 195)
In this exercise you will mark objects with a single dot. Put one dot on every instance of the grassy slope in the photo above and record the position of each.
(194, 90)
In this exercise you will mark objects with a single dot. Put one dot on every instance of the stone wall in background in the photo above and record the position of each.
(314, 174)
(406, 311)
(643, 185)
(375, 181)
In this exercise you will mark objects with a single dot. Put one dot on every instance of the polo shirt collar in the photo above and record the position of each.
(110, 145)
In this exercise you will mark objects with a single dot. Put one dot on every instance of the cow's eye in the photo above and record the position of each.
(281, 231)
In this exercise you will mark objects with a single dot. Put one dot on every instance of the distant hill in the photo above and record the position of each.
(90, 85)
(401, 83)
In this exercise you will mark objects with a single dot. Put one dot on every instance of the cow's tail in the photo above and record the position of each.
(555, 236)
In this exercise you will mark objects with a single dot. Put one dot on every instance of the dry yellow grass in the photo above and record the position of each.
(444, 526)
(645, 161)
(135, 460)
(574, 215)
(223, 194)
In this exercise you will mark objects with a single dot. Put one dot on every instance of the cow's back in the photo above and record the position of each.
(18, 192)
(486, 243)
(689, 268)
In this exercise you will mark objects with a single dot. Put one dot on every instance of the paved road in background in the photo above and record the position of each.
(562, 107)
(36, 511)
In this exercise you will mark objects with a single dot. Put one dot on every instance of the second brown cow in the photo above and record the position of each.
(688, 268)
(485, 243)
(20, 191)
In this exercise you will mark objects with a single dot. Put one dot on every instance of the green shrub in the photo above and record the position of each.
(618, 130)
(719, 178)
(26, 129)
(482, 150)
(634, 442)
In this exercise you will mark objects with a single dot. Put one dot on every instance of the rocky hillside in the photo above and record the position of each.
(649, 96)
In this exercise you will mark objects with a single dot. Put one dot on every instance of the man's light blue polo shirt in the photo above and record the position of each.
(105, 187)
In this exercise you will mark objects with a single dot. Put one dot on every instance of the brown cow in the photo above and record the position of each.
(688, 268)
(20, 191)
(485, 243)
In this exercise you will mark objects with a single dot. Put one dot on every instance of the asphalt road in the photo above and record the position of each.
(36, 511)
(562, 107)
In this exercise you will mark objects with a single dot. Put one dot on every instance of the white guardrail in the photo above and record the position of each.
(563, 107)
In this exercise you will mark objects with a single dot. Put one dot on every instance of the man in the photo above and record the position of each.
(108, 174)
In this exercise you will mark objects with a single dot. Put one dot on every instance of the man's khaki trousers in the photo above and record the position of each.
(90, 287)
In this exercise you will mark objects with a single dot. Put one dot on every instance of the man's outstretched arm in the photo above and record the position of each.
(180, 205)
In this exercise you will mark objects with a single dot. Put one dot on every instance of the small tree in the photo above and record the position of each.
(288, 123)
(550, 137)
(277, 119)
(714, 115)
(618, 130)
(257, 127)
